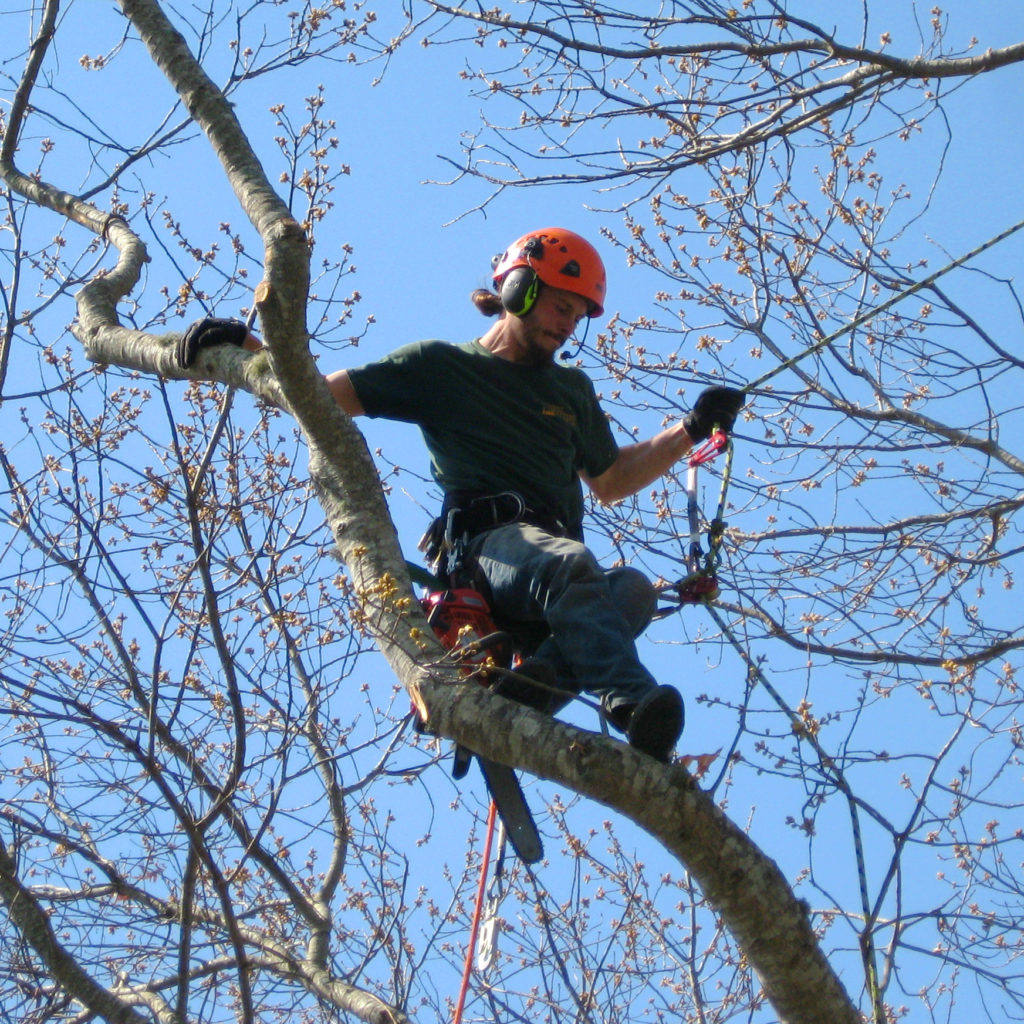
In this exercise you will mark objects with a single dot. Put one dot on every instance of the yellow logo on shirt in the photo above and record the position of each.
(565, 415)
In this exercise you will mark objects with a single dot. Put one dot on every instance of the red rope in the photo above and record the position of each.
(481, 887)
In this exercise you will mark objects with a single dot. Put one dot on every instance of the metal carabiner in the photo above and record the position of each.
(490, 929)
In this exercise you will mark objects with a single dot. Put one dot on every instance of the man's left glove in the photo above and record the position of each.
(210, 331)
(715, 407)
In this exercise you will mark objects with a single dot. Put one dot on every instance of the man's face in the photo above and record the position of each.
(551, 323)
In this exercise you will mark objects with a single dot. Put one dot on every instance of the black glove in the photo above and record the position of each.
(715, 407)
(210, 331)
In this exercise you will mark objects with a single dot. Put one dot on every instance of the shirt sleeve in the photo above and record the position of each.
(600, 449)
(392, 387)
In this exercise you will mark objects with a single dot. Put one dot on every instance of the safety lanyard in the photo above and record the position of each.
(696, 561)
(700, 585)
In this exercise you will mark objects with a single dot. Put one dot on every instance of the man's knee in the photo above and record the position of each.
(634, 595)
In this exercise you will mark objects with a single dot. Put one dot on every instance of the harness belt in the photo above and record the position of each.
(466, 514)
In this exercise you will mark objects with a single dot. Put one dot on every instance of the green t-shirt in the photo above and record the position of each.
(491, 425)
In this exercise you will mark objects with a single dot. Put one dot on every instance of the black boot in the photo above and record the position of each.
(534, 683)
(655, 723)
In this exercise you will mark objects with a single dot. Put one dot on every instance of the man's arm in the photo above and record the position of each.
(344, 394)
(638, 465)
(214, 331)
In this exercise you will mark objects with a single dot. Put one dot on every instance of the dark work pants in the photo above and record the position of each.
(536, 580)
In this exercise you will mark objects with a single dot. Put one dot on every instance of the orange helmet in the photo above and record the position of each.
(556, 256)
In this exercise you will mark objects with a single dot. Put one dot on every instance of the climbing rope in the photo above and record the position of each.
(477, 908)
(700, 586)
(864, 318)
(833, 775)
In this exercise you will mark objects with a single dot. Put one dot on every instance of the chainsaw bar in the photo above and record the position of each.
(507, 794)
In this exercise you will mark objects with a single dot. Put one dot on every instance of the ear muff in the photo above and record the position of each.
(519, 290)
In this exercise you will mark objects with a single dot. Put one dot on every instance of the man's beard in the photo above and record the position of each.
(536, 354)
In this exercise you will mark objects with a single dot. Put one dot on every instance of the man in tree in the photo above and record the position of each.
(511, 434)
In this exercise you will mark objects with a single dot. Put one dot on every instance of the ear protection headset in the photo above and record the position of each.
(519, 290)
(521, 285)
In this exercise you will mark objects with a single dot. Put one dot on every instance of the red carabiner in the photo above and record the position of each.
(710, 449)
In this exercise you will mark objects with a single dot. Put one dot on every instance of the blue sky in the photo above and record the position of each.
(409, 244)
(419, 254)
